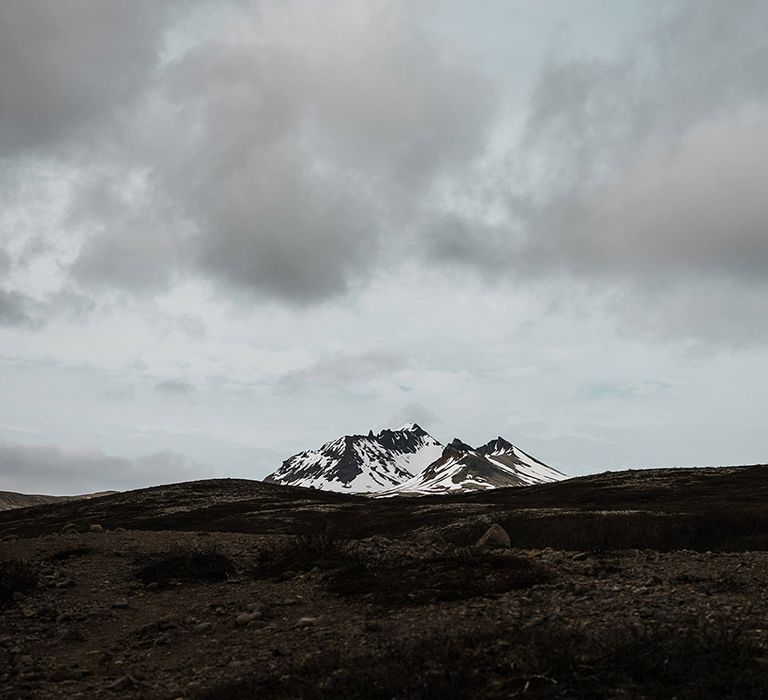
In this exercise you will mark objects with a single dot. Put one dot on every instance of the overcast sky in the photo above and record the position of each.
(233, 230)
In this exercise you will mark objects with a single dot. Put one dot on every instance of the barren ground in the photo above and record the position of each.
(322, 608)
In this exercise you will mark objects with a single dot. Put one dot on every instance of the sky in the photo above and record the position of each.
(232, 230)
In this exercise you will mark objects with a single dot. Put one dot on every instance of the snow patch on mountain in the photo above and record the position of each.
(410, 461)
(461, 467)
(362, 463)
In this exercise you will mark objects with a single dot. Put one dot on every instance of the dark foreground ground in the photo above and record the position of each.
(628, 585)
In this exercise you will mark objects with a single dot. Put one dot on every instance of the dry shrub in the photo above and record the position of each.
(185, 565)
(16, 576)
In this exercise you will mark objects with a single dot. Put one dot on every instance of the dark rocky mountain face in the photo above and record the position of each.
(496, 446)
(496, 464)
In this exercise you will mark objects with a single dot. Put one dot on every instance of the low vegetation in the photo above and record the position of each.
(70, 553)
(549, 662)
(186, 565)
(16, 577)
(321, 547)
(464, 574)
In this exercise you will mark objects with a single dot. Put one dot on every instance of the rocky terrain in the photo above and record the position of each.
(629, 585)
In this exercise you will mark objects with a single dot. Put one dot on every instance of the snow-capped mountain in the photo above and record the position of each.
(362, 463)
(463, 468)
(410, 461)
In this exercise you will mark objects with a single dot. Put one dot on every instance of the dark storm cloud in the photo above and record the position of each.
(283, 156)
(51, 470)
(17, 310)
(655, 160)
(299, 148)
(66, 66)
(645, 176)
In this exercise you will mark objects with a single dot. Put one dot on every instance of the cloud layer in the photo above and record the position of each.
(36, 468)
(296, 150)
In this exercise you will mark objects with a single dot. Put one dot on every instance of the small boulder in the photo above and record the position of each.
(495, 537)
(244, 619)
(96, 528)
(120, 603)
(304, 622)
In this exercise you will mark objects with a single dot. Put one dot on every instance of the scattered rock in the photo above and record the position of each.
(10, 538)
(96, 528)
(430, 538)
(580, 556)
(203, 628)
(289, 601)
(164, 639)
(303, 622)
(495, 537)
(120, 603)
(653, 581)
(123, 683)
(245, 618)
(152, 586)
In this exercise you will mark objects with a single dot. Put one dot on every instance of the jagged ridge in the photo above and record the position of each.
(410, 461)
(361, 463)
(461, 467)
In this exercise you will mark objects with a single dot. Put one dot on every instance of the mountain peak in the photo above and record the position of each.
(456, 449)
(498, 445)
(361, 463)
(409, 460)
(411, 428)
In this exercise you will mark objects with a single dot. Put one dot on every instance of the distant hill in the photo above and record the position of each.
(665, 509)
(10, 500)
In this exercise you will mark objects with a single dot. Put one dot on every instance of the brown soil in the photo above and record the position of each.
(414, 612)
(404, 609)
